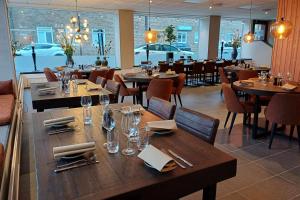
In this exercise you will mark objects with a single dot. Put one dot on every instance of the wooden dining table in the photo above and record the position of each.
(260, 88)
(117, 176)
(61, 98)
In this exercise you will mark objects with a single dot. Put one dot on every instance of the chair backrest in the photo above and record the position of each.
(123, 87)
(161, 88)
(50, 76)
(198, 124)
(110, 74)
(178, 68)
(223, 76)
(246, 74)
(2, 158)
(284, 109)
(6, 87)
(198, 67)
(179, 84)
(163, 67)
(95, 73)
(231, 100)
(209, 67)
(162, 108)
(101, 81)
(114, 88)
(76, 72)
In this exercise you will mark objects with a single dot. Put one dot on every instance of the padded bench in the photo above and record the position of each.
(7, 102)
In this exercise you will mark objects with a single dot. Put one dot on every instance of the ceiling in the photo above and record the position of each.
(262, 9)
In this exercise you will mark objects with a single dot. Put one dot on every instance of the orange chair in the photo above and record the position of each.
(51, 77)
(283, 109)
(125, 91)
(233, 104)
(7, 102)
(76, 72)
(2, 158)
(110, 74)
(162, 108)
(161, 88)
(246, 74)
(178, 86)
(101, 81)
(223, 78)
(95, 73)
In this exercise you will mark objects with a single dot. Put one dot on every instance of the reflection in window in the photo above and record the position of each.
(44, 34)
(181, 37)
(196, 37)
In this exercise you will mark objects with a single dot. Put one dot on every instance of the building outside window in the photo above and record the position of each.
(196, 37)
(182, 37)
(44, 34)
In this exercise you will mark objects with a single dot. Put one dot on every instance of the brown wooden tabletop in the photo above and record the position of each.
(60, 98)
(142, 77)
(237, 69)
(118, 176)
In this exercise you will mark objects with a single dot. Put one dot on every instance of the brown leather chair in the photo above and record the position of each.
(50, 76)
(178, 86)
(7, 102)
(223, 78)
(161, 88)
(101, 81)
(246, 74)
(95, 73)
(2, 158)
(209, 71)
(76, 72)
(163, 67)
(125, 91)
(110, 74)
(198, 124)
(284, 109)
(162, 108)
(233, 104)
(114, 88)
(178, 68)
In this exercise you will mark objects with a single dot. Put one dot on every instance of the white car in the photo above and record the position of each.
(42, 49)
(158, 52)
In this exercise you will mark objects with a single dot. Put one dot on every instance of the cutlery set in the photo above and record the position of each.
(176, 157)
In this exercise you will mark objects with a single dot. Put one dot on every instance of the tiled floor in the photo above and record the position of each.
(262, 173)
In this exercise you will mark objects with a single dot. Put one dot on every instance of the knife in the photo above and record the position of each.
(75, 166)
(178, 163)
(179, 157)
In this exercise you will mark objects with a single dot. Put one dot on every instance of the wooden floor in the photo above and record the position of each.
(262, 173)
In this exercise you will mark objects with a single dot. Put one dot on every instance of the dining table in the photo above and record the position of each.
(141, 79)
(259, 89)
(117, 176)
(61, 98)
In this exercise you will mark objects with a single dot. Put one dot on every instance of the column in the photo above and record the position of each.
(7, 66)
(125, 34)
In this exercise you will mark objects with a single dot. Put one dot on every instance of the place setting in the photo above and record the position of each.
(60, 125)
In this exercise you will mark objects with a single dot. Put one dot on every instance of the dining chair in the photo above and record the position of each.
(197, 72)
(114, 88)
(95, 73)
(161, 88)
(101, 81)
(223, 78)
(163, 67)
(235, 106)
(209, 71)
(2, 158)
(162, 108)
(76, 72)
(246, 74)
(178, 86)
(283, 109)
(110, 74)
(50, 76)
(178, 68)
(125, 91)
(198, 124)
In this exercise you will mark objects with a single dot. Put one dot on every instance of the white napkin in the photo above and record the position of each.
(288, 86)
(135, 108)
(155, 75)
(247, 82)
(57, 121)
(47, 89)
(170, 72)
(154, 157)
(93, 87)
(81, 82)
(73, 149)
(162, 125)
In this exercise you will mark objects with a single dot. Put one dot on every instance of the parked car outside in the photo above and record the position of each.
(183, 47)
(42, 49)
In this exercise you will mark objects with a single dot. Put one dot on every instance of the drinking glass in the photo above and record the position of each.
(143, 139)
(86, 103)
(126, 125)
(109, 124)
(74, 79)
(104, 99)
(136, 119)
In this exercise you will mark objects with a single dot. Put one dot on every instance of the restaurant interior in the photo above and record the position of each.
(149, 99)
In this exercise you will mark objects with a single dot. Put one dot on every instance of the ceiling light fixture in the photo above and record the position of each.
(282, 28)
(77, 29)
(249, 37)
(211, 5)
(150, 35)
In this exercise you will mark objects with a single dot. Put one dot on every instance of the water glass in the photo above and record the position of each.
(136, 119)
(87, 115)
(143, 140)
(75, 82)
(86, 101)
(104, 99)
(113, 141)
(126, 125)
(67, 86)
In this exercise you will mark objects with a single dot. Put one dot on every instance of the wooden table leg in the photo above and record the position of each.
(255, 120)
(140, 94)
(209, 192)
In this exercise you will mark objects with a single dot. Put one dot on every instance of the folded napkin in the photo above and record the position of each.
(157, 159)
(155, 75)
(130, 74)
(47, 89)
(81, 82)
(170, 72)
(93, 87)
(162, 125)
(135, 108)
(247, 82)
(288, 86)
(73, 149)
(57, 121)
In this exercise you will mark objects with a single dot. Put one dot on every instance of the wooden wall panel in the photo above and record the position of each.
(286, 53)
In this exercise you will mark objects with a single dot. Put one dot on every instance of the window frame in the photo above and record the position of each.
(44, 30)
(181, 40)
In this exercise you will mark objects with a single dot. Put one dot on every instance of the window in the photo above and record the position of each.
(182, 37)
(169, 48)
(98, 37)
(196, 37)
(44, 34)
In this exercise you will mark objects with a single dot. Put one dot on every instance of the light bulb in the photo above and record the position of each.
(85, 37)
(281, 29)
(248, 38)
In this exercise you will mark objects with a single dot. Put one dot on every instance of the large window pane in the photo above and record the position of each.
(41, 27)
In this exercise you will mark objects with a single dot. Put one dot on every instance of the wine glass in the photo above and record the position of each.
(86, 101)
(109, 124)
(74, 79)
(104, 99)
(126, 125)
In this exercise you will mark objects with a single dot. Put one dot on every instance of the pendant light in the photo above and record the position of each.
(150, 35)
(282, 28)
(249, 37)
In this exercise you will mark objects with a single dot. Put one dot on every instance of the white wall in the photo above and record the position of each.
(260, 52)
(203, 38)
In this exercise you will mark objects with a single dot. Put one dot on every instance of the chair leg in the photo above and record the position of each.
(274, 126)
(147, 103)
(298, 130)
(122, 99)
(133, 99)
(245, 115)
(292, 131)
(249, 118)
(179, 97)
(266, 126)
(232, 122)
(227, 117)
(175, 99)
(221, 92)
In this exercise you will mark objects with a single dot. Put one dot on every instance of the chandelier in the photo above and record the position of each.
(249, 37)
(77, 29)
